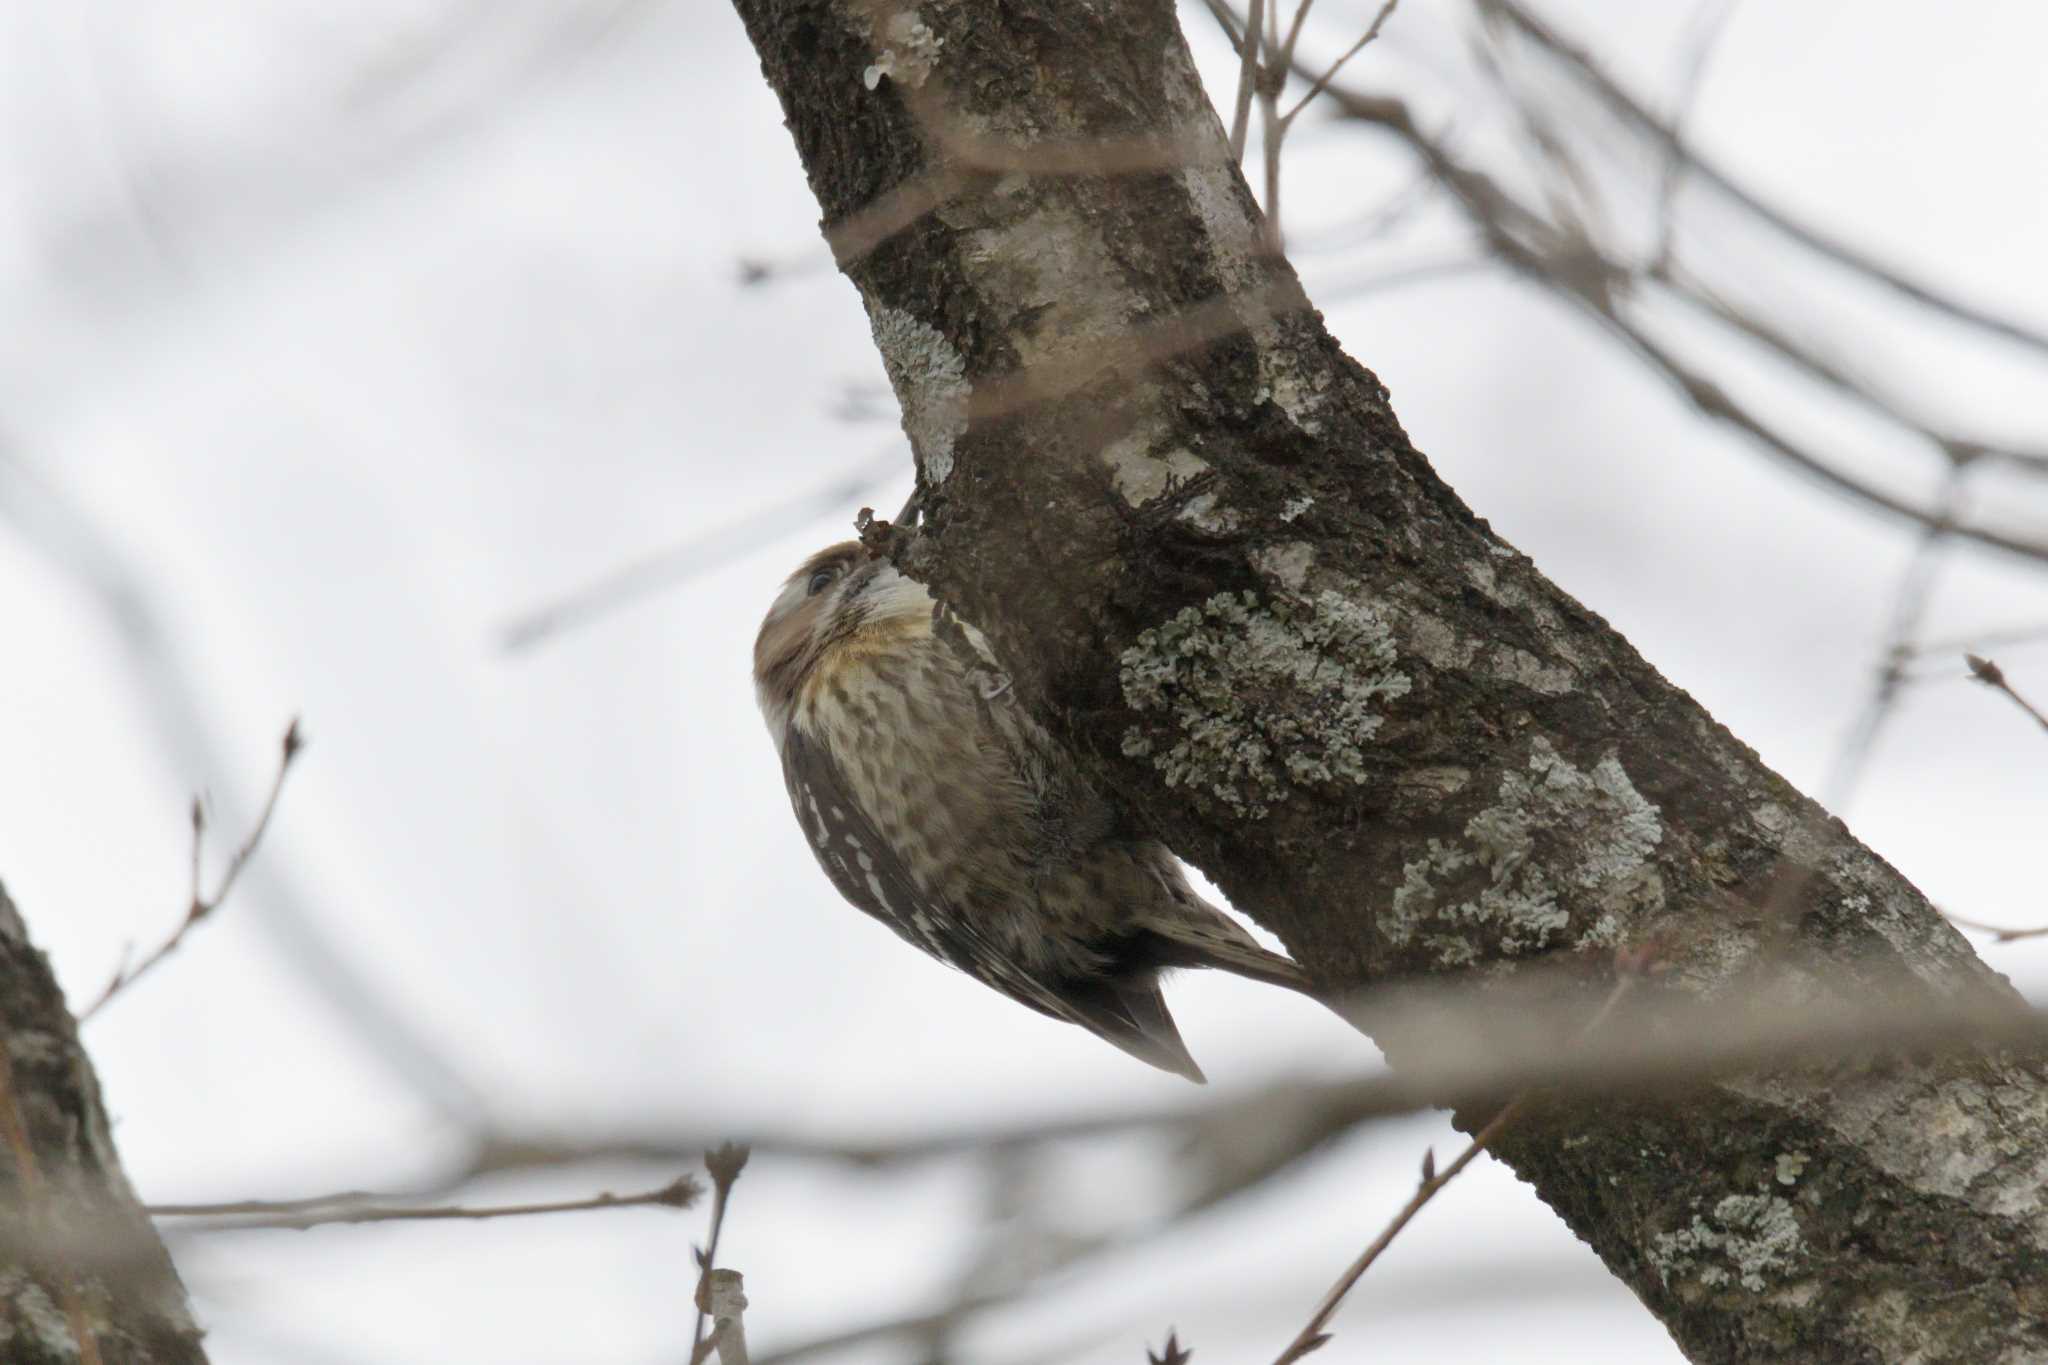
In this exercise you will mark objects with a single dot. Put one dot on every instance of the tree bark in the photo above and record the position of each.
(83, 1276)
(1198, 537)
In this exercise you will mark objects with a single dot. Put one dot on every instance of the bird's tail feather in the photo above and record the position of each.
(1209, 938)
(1132, 1014)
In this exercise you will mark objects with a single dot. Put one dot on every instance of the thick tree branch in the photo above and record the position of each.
(82, 1275)
(1222, 573)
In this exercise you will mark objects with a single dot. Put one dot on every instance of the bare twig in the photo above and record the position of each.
(1576, 268)
(724, 1165)
(1267, 79)
(1909, 607)
(300, 1214)
(1810, 361)
(199, 907)
(1312, 1336)
(1632, 110)
(1293, 38)
(1993, 677)
(1247, 78)
(1273, 133)
(1322, 82)
(34, 1196)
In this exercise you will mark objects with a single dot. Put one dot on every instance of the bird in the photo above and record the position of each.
(935, 803)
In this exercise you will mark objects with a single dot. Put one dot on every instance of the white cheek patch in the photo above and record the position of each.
(790, 598)
(891, 596)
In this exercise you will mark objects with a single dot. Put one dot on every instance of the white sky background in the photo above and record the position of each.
(351, 334)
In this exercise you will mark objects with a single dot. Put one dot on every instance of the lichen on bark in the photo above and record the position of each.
(1258, 698)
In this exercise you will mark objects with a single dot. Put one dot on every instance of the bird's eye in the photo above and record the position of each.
(820, 581)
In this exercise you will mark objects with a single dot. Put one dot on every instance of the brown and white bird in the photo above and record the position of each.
(936, 805)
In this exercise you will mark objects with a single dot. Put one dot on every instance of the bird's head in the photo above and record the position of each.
(838, 608)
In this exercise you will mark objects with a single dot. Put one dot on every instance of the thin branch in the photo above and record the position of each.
(1312, 1336)
(1679, 285)
(1286, 53)
(1226, 19)
(200, 907)
(1909, 607)
(1247, 80)
(1322, 82)
(300, 1214)
(1267, 81)
(724, 1165)
(1814, 239)
(1993, 677)
(1272, 132)
(1576, 268)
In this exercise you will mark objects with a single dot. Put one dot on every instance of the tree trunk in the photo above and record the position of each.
(83, 1276)
(1202, 543)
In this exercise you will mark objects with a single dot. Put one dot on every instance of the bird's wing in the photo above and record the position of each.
(1130, 1014)
(860, 862)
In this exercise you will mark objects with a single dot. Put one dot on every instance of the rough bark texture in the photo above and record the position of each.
(76, 1250)
(1198, 536)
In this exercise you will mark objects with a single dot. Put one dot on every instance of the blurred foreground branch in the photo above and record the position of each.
(700, 553)
(1313, 1336)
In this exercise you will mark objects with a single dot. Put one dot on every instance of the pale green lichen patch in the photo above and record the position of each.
(930, 379)
(1558, 843)
(1748, 1239)
(1253, 698)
